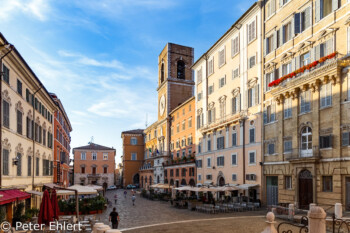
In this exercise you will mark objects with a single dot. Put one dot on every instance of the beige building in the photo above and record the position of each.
(27, 127)
(306, 102)
(228, 110)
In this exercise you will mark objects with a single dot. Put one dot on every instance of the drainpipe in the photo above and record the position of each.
(33, 135)
(242, 122)
(11, 47)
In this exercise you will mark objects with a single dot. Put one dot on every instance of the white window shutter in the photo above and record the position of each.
(312, 54)
(239, 102)
(265, 43)
(293, 64)
(308, 17)
(297, 62)
(280, 73)
(274, 40)
(335, 4)
(317, 52)
(273, 6)
(281, 36)
(292, 27)
(281, 3)
(232, 47)
(330, 46)
(256, 93)
(317, 10)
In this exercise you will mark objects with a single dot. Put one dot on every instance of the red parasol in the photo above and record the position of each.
(46, 212)
(54, 204)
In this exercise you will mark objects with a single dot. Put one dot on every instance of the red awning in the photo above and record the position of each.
(12, 195)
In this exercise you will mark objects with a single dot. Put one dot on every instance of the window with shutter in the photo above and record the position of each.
(287, 146)
(5, 160)
(287, 108)
(19, 122)
(252, 135)
(326, 141)
(211, 66)
(37, 168)
(345, 138)
(234, 139)
(251, 31)
(235, 73)
(271, 148)
(19, 164)
(221, 57)
(251, 157)
(326, 95)
(5, 74)
(235, 46)
(6, 114)
(305, 105)
(234, 159)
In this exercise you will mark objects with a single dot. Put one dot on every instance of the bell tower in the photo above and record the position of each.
(175, 85)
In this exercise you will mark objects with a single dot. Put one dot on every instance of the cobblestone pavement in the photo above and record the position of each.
(147, 212)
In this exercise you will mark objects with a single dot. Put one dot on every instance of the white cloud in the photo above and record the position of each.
(38, 9)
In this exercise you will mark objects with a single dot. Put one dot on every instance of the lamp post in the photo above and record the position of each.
(9, 47)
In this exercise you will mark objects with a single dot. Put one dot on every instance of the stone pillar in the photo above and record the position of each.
(270, 221)
(291, 211)
(317, 220)
(338, 210)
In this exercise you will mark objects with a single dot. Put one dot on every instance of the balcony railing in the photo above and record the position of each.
(297, 154)
(222, 120)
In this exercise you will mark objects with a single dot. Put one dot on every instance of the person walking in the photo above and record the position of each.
(114, 218)
(115, 199)
(133, 198)
(125, 192)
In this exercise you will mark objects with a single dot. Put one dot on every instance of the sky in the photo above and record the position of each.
(101, 57)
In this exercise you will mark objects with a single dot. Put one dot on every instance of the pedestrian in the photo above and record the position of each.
(115, 199)
(114, 218)
(125, 192)
(133, 199)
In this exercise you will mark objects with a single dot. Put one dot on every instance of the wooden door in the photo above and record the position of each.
(305, 189)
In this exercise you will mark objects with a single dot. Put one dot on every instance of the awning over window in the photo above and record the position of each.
(12, 195)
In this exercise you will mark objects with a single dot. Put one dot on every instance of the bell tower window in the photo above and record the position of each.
(162, 73)
(181, 69)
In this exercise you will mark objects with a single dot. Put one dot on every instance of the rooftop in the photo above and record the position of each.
(93, 146)
(134, 131)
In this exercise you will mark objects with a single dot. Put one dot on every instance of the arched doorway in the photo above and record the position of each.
(221, 181)
(165, 181)
(183, 182)
(306, 142)
(177, 184)
(157, 179)
(136, 179)
(192, 183)
(171, 182)
(305, 189)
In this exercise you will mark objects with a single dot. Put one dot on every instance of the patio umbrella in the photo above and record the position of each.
(54, 204)
(46, 212)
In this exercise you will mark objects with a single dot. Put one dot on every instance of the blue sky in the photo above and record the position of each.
(100, 57)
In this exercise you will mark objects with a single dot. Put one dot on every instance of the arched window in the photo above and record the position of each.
(162, 73)
(181, 69)
(306, 142)
(150, 180)
(157, 179)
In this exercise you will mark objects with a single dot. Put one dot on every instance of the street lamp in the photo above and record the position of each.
(8, 47)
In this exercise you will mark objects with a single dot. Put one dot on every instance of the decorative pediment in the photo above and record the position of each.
(50, 130)
(287, 138)
(271, 140)
(44, 126)
(345, 127)
(347, 22)
(6, 145)
(37, 154)
(5, 96)
(222, 99)
(199, 111)
(19, 148)
(270, 67)
(236, 92)
(37, 120)
(252, 82)
(29, 114)
(326, 131)
(211, 105)
(29, 151)
(326, 34)
(19, 107)
(44, 155)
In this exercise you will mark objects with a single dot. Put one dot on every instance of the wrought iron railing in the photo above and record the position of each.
(298, 153)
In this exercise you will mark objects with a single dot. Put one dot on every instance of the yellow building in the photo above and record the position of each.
(27, 128)
(306, 102)
(228, 110)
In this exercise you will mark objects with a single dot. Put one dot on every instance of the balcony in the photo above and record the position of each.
(298, 155)
(222, 121)
(94, 175)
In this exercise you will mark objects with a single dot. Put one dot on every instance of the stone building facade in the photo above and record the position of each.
(306, 102)
(180, 169)
(26, 130)
(133, 153)
(175, 86)
(62, 139)
(94, 164)
(228, 110)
